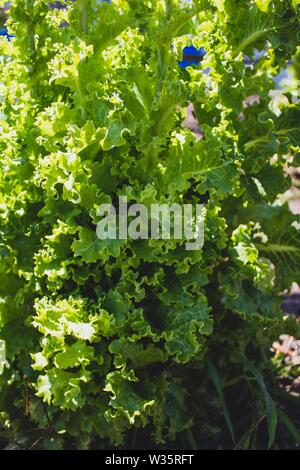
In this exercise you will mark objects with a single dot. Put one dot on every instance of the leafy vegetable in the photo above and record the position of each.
(105, 337)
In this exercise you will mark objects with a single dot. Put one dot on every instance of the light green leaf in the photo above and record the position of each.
(3, 361)
(40, 361)
(75, 355)
(263, 5)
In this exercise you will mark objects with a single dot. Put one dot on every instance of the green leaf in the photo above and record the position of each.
(92, 249)
(218, 385)
(75, 355)
(126, 351)
(112, 334)
(284, 252)
(271, 410)
(263, 5)
(203, 161)
(124, 400)
(40, 361)
(64, 317)
(63, 388)
(289, 425)
(3, 361)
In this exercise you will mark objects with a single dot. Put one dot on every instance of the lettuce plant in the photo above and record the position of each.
(140, 343)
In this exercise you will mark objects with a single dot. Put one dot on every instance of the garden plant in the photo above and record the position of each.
(140, 343)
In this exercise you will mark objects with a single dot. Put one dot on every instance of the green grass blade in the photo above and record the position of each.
(271, 410)
(218, 384)
(289, 425)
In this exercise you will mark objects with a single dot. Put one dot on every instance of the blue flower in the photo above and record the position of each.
(191, 56)
(3, 32)
(57, 5)
(62, 6)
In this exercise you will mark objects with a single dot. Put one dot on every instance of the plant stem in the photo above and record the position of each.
(84, 15)
(191, 440)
